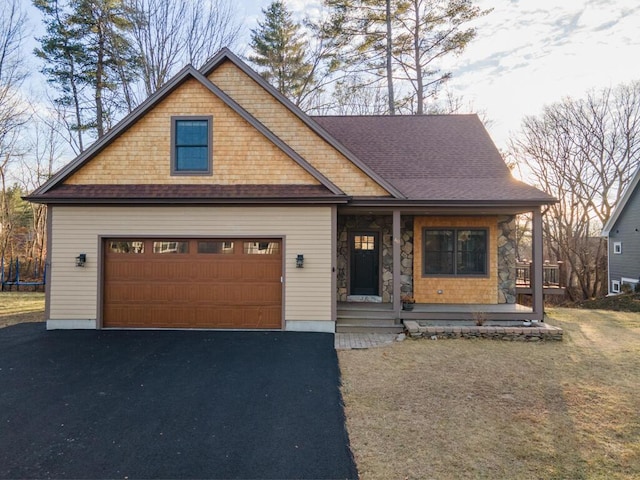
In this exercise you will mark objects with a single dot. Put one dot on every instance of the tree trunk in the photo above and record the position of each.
(416, 53)
(392, 101)
(99, 82)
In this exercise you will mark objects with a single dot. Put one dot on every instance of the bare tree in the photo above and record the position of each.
(13, 112)
(584, 153)
(168, 34)
(47, 148)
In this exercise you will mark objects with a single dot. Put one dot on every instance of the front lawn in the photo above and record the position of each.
(19, 307)
(453, 409)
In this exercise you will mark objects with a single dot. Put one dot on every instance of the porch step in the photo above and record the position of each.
(364, 315)
(342, 327)
(366, 322)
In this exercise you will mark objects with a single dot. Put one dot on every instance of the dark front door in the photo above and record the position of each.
(365, 260)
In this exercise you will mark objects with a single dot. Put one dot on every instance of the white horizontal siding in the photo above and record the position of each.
(305, 230)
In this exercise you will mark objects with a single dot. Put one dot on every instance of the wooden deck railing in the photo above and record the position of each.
(551, 274)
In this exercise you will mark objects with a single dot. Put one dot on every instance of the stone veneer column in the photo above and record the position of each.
(507, 259)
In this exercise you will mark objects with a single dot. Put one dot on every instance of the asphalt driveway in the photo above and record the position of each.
(170, 404)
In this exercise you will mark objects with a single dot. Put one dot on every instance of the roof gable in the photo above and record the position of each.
(294, 126)
(626, 196)
(188, 74)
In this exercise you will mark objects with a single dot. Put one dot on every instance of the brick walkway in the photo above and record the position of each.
(348, 341)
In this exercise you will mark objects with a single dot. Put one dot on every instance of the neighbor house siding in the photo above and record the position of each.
(288, 127)
(456, 289)
(626, 231)
(241, 154)
(305, 230)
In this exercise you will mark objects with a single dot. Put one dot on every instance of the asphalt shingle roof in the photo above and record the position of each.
(431, 157)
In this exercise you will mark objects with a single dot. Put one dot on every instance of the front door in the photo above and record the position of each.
(365, 263)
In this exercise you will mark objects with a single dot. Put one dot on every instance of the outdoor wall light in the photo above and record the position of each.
(300, 261)
(81, 260)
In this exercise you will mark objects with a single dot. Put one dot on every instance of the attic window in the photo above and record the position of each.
(191, 145)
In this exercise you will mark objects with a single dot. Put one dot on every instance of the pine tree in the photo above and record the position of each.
(279, 48)
(64, 56)
(88, 54)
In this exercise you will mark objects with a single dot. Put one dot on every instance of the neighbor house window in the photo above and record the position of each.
(191, 145)
(449, 251)
(615, 286)
(617, 248)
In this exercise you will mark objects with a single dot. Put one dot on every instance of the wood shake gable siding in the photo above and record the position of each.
(289, 128)
(142, 154)
(304, 230)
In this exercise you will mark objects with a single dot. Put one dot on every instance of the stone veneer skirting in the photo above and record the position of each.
(542, 332)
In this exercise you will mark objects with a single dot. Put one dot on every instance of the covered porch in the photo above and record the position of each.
(396, 269)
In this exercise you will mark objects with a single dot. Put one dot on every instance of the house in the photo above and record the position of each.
(219, 204)
(623, 234)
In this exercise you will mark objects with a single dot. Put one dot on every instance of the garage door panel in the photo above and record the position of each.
(194, 290)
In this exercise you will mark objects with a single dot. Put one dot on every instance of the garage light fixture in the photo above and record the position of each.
(300, 261)
(81, 260)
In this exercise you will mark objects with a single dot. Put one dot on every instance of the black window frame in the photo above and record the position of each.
(455, 231)
(174, 155)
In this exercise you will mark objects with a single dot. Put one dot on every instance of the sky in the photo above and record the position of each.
(527, 53)
(530, 53)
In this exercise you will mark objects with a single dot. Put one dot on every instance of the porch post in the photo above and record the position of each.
(537, 285)
(397, 267)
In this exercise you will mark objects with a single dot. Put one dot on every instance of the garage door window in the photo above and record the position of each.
(126, 246)
(215, 246)
(170, 247)
(262, 248)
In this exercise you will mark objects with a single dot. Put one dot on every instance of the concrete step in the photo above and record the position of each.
(367, 328)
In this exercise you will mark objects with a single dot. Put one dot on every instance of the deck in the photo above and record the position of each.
(551, 279)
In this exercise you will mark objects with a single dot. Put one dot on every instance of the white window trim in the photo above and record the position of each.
(615, 286)
(617, 248)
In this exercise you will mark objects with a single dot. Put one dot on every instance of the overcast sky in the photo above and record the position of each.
(528, 53)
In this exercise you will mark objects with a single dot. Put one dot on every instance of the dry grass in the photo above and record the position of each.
(453, 409)
(19, 307)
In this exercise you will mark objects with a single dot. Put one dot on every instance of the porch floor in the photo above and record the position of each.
(438, 307)
(356, 317)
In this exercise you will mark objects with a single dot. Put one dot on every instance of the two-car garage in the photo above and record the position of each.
(233, 283)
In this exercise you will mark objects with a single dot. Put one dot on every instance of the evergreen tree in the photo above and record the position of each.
(89, 56)
(279, 48)
(64, 57)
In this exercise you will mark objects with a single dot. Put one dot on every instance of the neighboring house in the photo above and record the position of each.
(219, 204)
(623, 235)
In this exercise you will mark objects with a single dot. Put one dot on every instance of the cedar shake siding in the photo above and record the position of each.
(456, 289)
(142, 154)
(288, 127)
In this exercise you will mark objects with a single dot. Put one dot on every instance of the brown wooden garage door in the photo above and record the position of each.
(192, 283)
